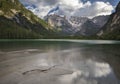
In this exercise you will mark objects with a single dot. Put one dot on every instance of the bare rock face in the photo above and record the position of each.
(111, 30)
(77, 26)
(13, 1)
(100, 20)
(60, 24)
(118, 7)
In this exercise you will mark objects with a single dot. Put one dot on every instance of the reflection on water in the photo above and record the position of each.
(62, 62)
(92, 73)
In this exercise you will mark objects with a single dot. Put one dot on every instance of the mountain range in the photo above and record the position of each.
(17, 22)
(76, 26)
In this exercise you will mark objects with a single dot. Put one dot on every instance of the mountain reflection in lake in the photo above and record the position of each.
(59, 62)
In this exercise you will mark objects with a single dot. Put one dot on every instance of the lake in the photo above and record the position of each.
(50, 61)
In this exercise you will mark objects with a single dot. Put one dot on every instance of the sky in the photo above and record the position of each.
(84, 8)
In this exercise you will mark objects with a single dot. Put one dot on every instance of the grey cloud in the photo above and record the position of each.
(71, 7)
(38, 2)
(95, 9)
(50, 2)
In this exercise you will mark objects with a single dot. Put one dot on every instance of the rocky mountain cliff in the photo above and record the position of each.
(111, 30)
(76, 26)
(60, 24)
(18, 22)
(100, 20)
(88, 29)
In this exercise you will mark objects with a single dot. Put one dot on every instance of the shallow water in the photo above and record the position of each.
(59, 62)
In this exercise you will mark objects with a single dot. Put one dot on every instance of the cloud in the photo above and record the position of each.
(113, 2)
(70, 7)
(94, 9)
(40, 2)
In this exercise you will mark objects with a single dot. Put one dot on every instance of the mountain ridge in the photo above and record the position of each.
(76, 26)
(111, 30)
(17, 14)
